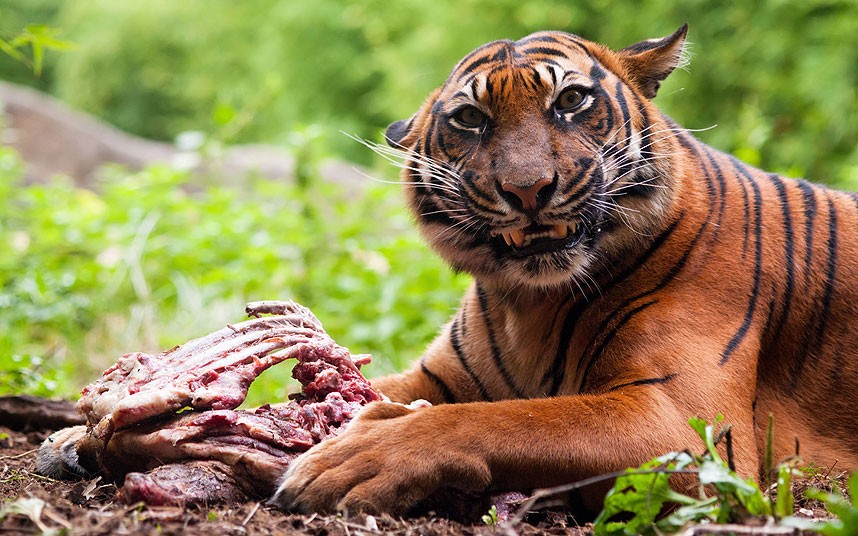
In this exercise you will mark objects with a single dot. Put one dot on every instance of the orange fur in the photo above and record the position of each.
(707, 287)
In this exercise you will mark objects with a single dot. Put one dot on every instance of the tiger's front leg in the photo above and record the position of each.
(392, 457)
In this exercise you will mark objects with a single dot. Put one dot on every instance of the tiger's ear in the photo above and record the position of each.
(397, 131)
(649, 62)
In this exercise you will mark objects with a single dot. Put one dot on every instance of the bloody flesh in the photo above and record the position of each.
(131, 409)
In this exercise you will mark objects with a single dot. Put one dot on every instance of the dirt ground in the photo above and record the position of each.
(38, 505)
(44, 505)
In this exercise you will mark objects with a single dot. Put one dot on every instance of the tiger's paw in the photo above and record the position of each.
(389, 459)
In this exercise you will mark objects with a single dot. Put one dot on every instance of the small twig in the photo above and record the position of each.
(831, 468)
(16, 456)
(251, 514)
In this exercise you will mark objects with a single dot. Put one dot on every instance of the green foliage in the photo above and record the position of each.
(15, 15)
(491, 517)
(846, 510)
(36, 37)
(638, 500)
(152, 260)
(778, 78)
(27, 374)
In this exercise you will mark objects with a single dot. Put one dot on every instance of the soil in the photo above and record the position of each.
(34, 504)
(48, 506)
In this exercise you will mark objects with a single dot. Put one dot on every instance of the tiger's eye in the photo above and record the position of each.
(470, 117)
(569, 100)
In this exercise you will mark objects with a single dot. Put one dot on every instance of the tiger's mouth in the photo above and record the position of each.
(538, 239)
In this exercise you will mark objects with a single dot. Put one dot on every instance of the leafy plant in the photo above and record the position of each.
(152, 259)
(36, 37)
(25, 373)
(638, 500)
(491, 517)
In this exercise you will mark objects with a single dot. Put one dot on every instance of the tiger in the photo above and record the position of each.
(626, 277)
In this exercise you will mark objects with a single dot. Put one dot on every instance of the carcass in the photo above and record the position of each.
(167, 423)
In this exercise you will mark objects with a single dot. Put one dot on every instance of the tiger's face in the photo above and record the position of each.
(539, 160)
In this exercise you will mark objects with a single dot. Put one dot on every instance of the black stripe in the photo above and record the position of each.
(439, 383)
(651, 381)
(475, 195)
(557, 372)
(465, 70)
(545, 51)
(646, 123)
(496, 351)
(553, 77)
(610, 118)
(746, 232)
(740, 334)
(457, 347)
(789, 253)
(722, 186)
(502, 54)
(746, 219)
(584, 187)
(772, 306)
(808, 198)
(490, 90)
(830, 277)
(668, 277)
(688, 143)
(607, 340)
(537, 39)
(596, 71)
(537, 78)
(427, 140)
(627, 122)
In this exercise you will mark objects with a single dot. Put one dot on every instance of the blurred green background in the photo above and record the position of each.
(147, 260)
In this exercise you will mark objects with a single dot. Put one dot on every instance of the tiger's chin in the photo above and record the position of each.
(537, 257)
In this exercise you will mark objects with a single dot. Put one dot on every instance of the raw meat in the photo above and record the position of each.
(216, 453)
(210, 372)
(204, 482)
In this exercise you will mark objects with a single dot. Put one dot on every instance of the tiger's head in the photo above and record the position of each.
(539, 161)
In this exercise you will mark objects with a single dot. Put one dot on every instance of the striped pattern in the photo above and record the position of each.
(693, 275)
(795, 288)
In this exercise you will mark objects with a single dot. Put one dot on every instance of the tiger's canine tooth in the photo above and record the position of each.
(559, 231)
(517, 236)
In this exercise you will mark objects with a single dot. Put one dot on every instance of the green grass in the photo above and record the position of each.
(642, 500)
(155, 258)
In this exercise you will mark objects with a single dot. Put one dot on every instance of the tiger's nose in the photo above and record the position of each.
(528, 199)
